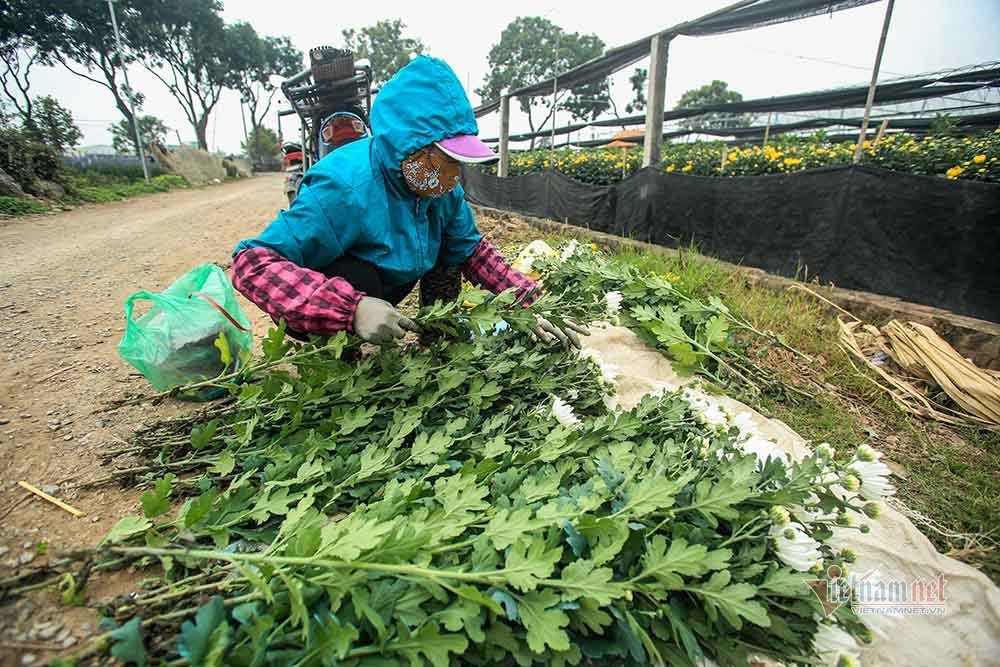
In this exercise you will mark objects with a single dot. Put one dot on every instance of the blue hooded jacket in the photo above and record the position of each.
(354, 201)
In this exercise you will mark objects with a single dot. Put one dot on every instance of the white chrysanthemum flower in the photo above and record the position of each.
(613, 303)
(707, 409)
(779, 515)
(569, 250)
(609, 371)
(795, 548)
(874, 474)
(825, 450)
(563, 412)
(835, 646)
(762, 448)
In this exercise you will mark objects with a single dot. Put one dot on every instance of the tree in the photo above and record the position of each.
(713, 93)
(77, 35)
(53, 124)
(638, 81)
(194, 58)
(533, 49)
(256, 63)
(17, 56)
(261, 145)
(385, 46)
(153, 130)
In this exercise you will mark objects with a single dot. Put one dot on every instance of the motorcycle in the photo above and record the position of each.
(332, 99)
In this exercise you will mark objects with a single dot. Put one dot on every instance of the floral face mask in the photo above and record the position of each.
(430, 173)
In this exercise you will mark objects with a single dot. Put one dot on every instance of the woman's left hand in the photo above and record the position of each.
(548, 332)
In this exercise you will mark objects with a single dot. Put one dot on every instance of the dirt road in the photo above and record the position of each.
(63, 281)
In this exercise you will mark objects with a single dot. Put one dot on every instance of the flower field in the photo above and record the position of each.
(970, 158)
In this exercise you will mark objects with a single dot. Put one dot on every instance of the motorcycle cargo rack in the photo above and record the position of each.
(313, 96)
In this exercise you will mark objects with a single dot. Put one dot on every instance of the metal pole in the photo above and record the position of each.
(871, 88)
(656, 91)
(128, 90)
(504, 167)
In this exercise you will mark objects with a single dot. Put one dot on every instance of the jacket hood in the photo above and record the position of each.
(423, 103)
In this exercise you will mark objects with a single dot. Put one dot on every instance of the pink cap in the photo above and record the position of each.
(467, 148)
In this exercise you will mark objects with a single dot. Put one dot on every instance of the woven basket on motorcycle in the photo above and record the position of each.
(330, 64)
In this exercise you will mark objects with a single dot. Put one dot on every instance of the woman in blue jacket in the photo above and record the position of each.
(375, 216)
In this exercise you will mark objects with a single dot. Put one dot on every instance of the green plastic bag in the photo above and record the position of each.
(194, 331)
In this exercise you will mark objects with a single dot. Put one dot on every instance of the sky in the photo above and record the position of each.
(811, 54)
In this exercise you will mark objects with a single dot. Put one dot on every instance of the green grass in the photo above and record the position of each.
(102, 190)
(21, 206)
(950, 476)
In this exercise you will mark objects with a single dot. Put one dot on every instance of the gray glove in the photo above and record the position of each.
(547, 332)
(378, 322)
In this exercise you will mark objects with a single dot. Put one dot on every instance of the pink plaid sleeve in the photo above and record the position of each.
(307, 300)
(487, 268)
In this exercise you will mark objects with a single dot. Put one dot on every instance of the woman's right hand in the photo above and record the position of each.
(378, 322)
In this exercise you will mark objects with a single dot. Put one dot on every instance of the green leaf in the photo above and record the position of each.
(683, 354)
(197, 509)
(716, 331)
(331, 638)
(374, 459)
(474, 595)
(274, 345)
(731, 600)
(582, 579)
(650, 494)
(224, 464)
(155, 502)
(544, 621)
(590, 616)
(464, 615)
(222, 343)
(605, 536)
(202, 434)
(495, 447)
(528, 561)
(507, 526)
(434, 646)
(429, 449)
(356, 418)
(127, 644)
(668, 565)
(785, 582)
(299, 616)
(126, 528)
(718, 499)
(348, 538)
(199, 639)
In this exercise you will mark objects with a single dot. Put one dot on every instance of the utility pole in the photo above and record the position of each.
(128, 91)
(859, 149)
(504, 165)
(656, 88)
(555, 88)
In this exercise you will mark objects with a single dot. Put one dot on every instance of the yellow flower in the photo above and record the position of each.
(688, 167)
(792, 161)
(671, 168)
(979, 159)
(954, 172)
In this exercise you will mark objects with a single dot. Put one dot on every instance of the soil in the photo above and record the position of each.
(62, 289)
